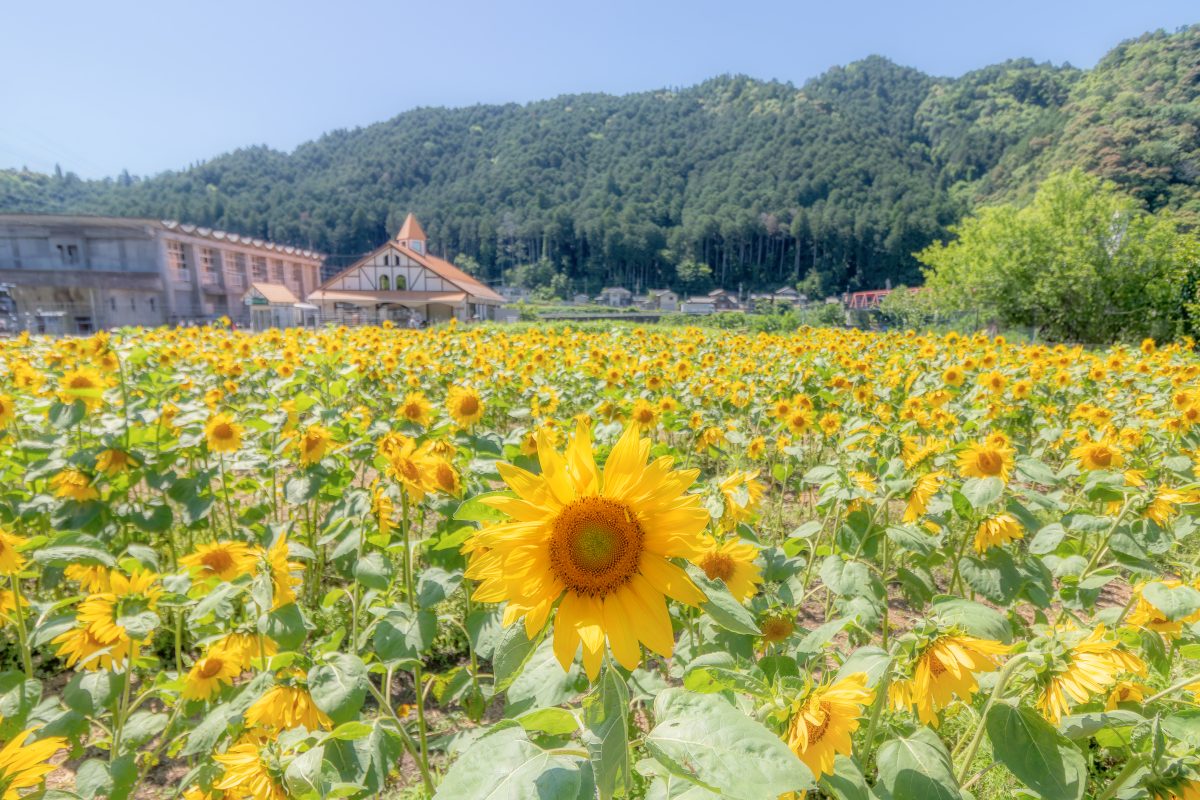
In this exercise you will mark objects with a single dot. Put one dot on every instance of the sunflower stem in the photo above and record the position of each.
(1131, 766)
(881, 690)
(22, 634)
(1173, 688)
(997, 691)
(386, 704)
(123, 706)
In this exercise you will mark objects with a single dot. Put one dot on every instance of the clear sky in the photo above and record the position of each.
(149, 86)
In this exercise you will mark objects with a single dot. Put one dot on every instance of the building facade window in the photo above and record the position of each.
(385, 283)
(258, 267)
(276, 271)
(177, 262)
(235, 269)
(208, 265)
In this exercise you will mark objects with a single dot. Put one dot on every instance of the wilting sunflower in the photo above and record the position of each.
(465, 405)
(225, 560)
(732, 562)
(242, 648)
(286, 706)
(1089, 667)
(824, 721)
(283, 578)
(1097, 455)
(90, 577)
(600, 542)
(24, 765)
(1126, 692)
(80, 647)
(996, 531)
(777, 626)
(416, 408)
(313, 444)
(986, 459)
(1180, 787)
(209, 674)
(945, 669)
(113, 462)
(1146, 615)
(75, 485)
(223, 434)
(127, 596)
(7, 410)
(11, 560)
(742, 495)
(922, 492)
(252, 770)
(384, 509)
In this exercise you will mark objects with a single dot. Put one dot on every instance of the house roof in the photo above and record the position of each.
(346, 296)
(411, 230)
(612, 289)
(276, 293)
(440, 267)
(161, 224)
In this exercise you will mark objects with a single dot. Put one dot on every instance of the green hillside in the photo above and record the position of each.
(847, 176)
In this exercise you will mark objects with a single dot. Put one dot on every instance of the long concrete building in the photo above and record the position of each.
(77, 274)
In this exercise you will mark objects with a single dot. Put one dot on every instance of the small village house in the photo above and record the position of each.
(615, 296)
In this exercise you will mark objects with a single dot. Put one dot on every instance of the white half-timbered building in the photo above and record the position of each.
(403, 283)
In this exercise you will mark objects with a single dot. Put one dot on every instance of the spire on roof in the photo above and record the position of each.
(410, 231)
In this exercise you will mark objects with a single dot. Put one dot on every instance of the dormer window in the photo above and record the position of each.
(417, 245)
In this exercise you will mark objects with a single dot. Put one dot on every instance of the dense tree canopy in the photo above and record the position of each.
(1082, 262)
(836, 183)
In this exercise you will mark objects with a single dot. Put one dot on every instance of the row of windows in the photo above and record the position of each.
(112, 303)
(235, 267)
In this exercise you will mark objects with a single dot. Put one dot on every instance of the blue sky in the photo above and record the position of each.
(101, 87)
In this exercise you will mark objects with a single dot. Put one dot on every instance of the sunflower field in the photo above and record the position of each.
(523, 562)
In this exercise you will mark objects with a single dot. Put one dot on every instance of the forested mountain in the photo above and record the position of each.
(840, 180)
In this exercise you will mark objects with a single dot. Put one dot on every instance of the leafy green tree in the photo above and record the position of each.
(692, 277)
(1082, 262)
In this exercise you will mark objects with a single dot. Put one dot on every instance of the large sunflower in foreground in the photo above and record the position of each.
(945, 669)
(24, 765)
(602, 543)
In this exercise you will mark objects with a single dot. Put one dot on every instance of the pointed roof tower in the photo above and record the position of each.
(411, 234)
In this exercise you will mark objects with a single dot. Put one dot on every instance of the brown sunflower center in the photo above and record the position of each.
(717, 565)
(1102, 456)
(210, 667)
(217, 560)
(413, 411)
(817, 733)
(776, 629)
(595, 545)
(468, 405)
(81, 382)
(990, 462)
(936, 667)
(222, 431)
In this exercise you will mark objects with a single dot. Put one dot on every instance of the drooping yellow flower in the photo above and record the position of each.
(286, 706)
(922, 492)
(1088, 668)
(732, 561)
(251, 770)
(1097, 455)
(1166, 501)
(987, 459)
(465, 405)
(742, 494)
(384, 510)
(225, 560)
(223, 434)
(7, 410)
(75, 485)
(996, 531)
(599, 542)
(945, 669)
(242, 648)
(113, 462)
(80, 647)
(283, 573)
(102, 613)
(25, 764)
(416, 408)
(1126, 692)
(313, 444)
(823, 723)
(1146, 615)
(11, 560)
(90, 577)
(209, 674)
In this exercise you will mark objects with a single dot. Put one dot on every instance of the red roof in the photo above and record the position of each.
(411, 230)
